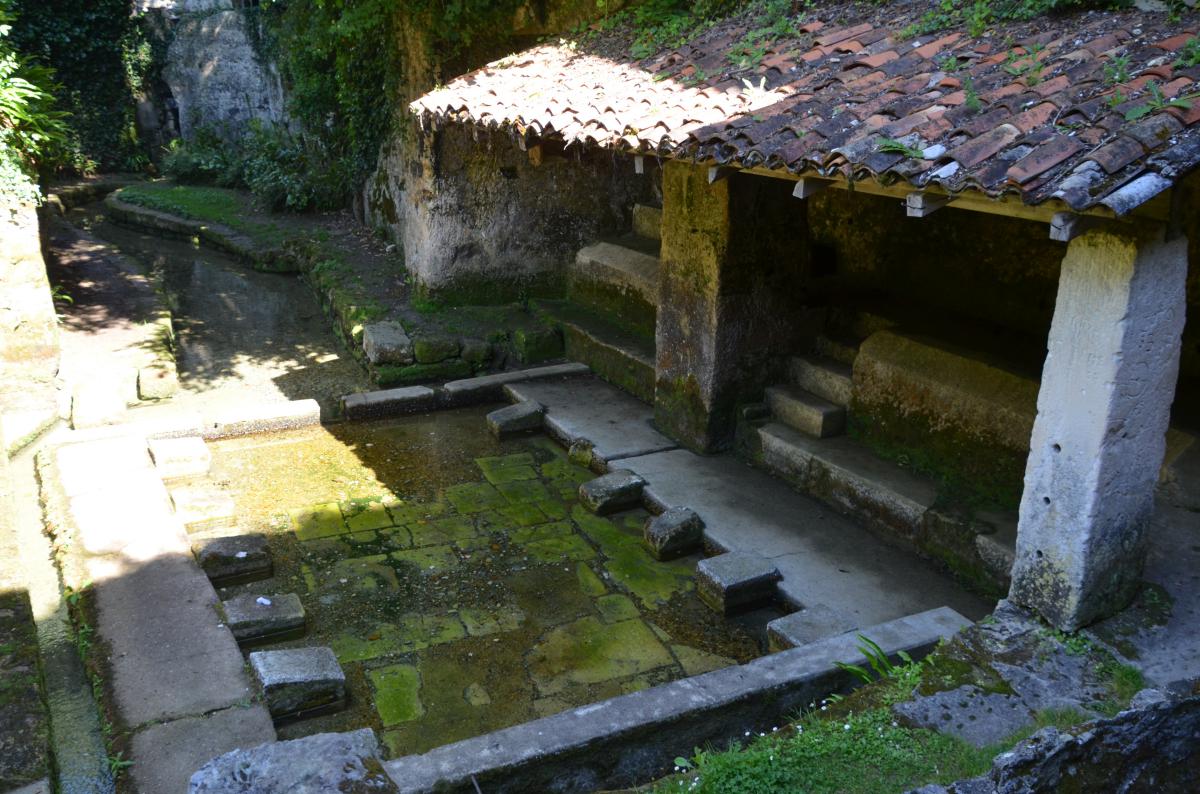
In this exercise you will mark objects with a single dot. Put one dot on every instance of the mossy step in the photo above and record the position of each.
(827, 378)
(836, 348)
(804, 411)
(618, 279)
(618, 355)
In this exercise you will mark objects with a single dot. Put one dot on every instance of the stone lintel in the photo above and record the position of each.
(1100, 433)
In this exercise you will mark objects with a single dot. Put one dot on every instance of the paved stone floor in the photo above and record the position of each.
(827, 560)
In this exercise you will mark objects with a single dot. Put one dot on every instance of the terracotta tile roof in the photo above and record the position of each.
(1033, 108)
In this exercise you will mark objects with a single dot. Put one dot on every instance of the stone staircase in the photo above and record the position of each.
(817, 394)
(609, 315)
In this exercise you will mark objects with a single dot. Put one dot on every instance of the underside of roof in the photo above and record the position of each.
(1093, 109)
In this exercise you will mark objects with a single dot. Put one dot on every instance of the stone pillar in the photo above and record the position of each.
(28, 323)
(1100, 434)
(734, 254)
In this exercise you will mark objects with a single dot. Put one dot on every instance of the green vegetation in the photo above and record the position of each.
(33, 133)
(1189, 54)
(978, 15)
(1156, 102)
(211, 204)
(900, 147)
(103, 56)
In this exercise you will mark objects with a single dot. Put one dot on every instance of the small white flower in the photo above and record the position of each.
(846, 727)
(824, 708)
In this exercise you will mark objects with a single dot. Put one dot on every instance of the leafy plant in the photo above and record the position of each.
(1189, 54)
(1157, 102)
(877, 659)
(972, 100)
(1117, 69)
(900, 147)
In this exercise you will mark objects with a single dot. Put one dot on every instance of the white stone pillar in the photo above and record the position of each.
(1100, 434)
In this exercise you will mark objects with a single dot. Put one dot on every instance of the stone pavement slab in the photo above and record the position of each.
(170, 656)
(824, 558)
(168, 754)
(617, 424)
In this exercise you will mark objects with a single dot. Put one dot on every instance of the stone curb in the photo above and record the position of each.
(632, 738)
(454, 394)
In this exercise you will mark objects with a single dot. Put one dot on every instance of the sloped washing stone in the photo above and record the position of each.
(179, 458)
(203, 507)
(676, 532)
(615, 491)
(347, 762)
(519, 417)
(387, 343)
(253, 617)
(299, 680)
(736, 581)
(238, 558)
(389, 402)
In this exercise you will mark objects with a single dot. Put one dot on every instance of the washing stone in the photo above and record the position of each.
(298, 680)
(254, 617)
(736, 581)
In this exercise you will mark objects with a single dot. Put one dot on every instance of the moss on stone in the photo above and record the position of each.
(420, 373)
(621, 305)
(535, 345)
(397, 689)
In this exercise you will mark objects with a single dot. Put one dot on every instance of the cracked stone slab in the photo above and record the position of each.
(968, 713)
(316, 764)
(736, 581)
(167, 754)
(299, 680)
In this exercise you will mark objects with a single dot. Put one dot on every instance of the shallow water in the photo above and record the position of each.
(458, 580)
(241, 335)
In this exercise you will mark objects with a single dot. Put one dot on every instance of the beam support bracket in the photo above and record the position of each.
(810, 186)
(718, 172)
(919, 204)
(1066, 226)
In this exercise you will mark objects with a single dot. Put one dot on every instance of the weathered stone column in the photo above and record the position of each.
(1100, 434)
(734, 253)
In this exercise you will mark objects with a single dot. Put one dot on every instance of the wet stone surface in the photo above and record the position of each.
(460, 583)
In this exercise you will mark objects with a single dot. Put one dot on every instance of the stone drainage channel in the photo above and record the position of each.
(426, 580)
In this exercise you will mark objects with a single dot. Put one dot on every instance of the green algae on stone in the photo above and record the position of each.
(483, 622)
(412, 512)
(630, 566)
(363, 574)
(554, 508)
(589, 652)
(564, 470)
(371, 515)
(695, 661)
(507, 468)
(430, 559)
(397, 693)
(523, 514)
(318, 521)
(441, 531)
(524, 491)
(589, 582)
(476, 695)
(474, 497)
(553, 529)
(350, 648)
(570, 547)
(616, 607)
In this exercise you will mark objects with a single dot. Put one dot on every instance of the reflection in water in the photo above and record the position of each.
(241, 334)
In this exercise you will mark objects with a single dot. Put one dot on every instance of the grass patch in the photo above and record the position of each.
(865, 753)
(210, 204)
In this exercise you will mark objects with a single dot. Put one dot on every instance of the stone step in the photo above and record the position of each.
(618, 355)
(998, 550)
(805, 411)
(916, 634)
(618, 280)
(848, 476)
(836, 348)
(647, 222)
(825, 377)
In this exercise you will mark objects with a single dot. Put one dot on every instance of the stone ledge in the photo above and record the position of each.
(626, 740)
(389, 402)
(264, 418)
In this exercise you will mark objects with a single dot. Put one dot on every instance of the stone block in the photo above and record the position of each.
(647, 221)
(95, 404)
(203, 507)
(487, 388)
(829, 379)
(520, 417)
(312, 765)
(297, 681)
(737, 581)
(233, 559)
(178, 458)
(675, 533)
(537, 344)
(475, 352)
(389, 402)
(253, 617)
(433, 349)
(387, 343)
(806, 412)
(618, 490)
(809, 624)
(264, 418)
(159, 382)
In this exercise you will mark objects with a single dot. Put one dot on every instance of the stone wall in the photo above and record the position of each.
(215, 76)
(28, 324)
(481, 223)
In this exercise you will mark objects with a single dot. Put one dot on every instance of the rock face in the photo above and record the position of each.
(343, 762)
(215, 76)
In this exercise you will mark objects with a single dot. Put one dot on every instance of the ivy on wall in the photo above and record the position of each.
(101, 57)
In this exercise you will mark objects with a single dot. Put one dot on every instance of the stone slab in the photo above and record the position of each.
(256, 617)
(736, 581)
(977, 717)
(169, 653)
(203, 507)
(489, 388)
(618, 266)
(806, 412)
(326, 762)
(95, 404)
(389, 402)
(113, 521)
(180, 458)
(675, 532)
(585, 408)
(159, 382)
(522, 417)
(263, 418)
(102, 464)
(624, 741)
(236, 558)
(824, 557)
(169, 753)
(387, 343)
(299, 680)
(618, 490)
(647, 222)
(810, 624)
